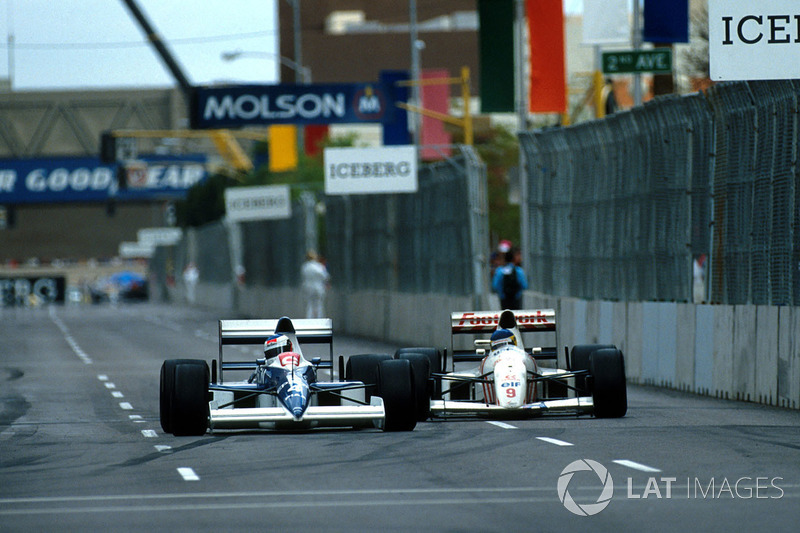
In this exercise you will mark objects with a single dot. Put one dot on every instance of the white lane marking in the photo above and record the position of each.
(65, 331)
(188, 474)
(163, 448)
(636, 466)
(110, 385)
(149, 433)
(501, 424)
(102, 377)
(555, 441)
(125, 405)
(137, 419)
(117, 394)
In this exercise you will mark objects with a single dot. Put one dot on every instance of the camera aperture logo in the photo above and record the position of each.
(656, 488)
(585, 509)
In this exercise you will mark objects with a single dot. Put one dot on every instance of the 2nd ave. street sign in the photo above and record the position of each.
(638, 61)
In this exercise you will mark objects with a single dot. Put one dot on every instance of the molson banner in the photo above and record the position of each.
(85, 179)
(246, 105)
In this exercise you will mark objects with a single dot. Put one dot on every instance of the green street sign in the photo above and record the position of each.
(635, 62)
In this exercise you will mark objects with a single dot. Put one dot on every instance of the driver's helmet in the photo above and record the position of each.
(503, 337)
(275, 345)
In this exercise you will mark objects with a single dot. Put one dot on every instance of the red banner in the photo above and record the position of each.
(548, 82)
(435, 98)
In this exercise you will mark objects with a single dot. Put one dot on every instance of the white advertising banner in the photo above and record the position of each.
(390, 169)
(750, 40)
(269, 202)
(606, 22)
(160, 236)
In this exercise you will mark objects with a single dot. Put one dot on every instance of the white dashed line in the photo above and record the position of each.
(110, 385)
(163, 448)
(188, 474)
(501, 424)
(149, 433)
(125, 405)
(102, 377)
(555, 441)
(117, 394)
(136, 419)
(636, 466)
(72, 344)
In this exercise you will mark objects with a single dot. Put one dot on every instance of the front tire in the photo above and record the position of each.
(420, 364)
(396, 382)
(609, 388)
(184, 397)
(579, 360)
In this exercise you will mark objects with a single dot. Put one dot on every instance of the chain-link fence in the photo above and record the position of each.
(432, 241)
(619, 208)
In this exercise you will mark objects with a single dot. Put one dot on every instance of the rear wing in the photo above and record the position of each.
(478, 322)
(255, 332)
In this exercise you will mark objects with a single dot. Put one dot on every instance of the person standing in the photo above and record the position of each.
(315, 279)
(509, 282)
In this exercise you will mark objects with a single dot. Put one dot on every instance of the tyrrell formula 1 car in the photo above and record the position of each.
(509, 382)
(282, 390)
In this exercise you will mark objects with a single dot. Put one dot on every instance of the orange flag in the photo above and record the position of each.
(548, 81)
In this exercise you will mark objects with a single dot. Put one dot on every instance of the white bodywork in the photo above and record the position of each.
(505, 381)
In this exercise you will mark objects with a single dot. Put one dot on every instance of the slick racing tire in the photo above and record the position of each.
(364, 368)
(609, 389)
(422, 382)
(184, 397)
(396, 382)
(579, 360)
(434, 355)
(167, 391)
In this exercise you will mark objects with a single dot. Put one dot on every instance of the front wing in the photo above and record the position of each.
(578, 406)
(360, 416)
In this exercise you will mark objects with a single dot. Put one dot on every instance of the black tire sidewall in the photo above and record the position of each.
(396, 381)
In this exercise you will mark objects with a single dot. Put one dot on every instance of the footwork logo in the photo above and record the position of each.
(585, 509)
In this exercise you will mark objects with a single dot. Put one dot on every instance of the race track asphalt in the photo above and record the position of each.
(81, 449)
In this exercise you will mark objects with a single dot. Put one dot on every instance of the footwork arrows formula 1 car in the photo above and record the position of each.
(283, 390)
(509, 381)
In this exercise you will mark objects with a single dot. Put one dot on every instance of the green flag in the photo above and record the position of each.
(496, 37)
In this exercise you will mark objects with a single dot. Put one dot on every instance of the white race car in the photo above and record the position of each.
(283, 390)
(509, 381)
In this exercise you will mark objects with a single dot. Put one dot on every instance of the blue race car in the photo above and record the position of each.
(283, 390)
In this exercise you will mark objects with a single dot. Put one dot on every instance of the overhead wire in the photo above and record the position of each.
(134, 44)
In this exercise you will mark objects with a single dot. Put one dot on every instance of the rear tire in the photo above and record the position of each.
(610, 393)
(422, 382)
(579, 360)
(396, 382)
(436, 359)
(364, 368)
(184, 401)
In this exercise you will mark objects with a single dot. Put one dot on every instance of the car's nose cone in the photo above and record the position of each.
(295, 405)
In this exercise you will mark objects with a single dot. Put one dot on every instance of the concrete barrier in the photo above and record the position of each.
(684, 347)
(766, 355)
(789, 359)
(635, 334)
(704, 349)
(723, 352)
(744, 353)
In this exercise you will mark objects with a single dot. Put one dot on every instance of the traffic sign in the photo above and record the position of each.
(638, 61)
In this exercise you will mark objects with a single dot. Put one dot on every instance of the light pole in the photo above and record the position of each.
(304, 71)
